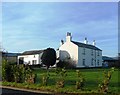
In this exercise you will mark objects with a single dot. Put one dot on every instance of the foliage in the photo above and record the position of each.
(6, 71)
(29, 76)
(80, 83)
(68, 63)
(105, 83)
(45, 79)
(90, 84)
(17, 73)
(48, 57)
(114, 64)
(61, 73)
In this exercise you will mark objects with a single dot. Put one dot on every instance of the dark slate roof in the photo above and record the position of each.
(10, 54)
(108, 58)
(86, 45)
(116, 58)
(32, 52)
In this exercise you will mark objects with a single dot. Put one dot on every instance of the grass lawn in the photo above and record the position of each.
(92, 76)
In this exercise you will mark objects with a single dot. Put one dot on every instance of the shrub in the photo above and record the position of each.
(103, 87)
(17, 73)
(80, 82)
(23, 74)
(68, 64)
(29, 76)
(45, 79)
(7, 72)
(61, 73)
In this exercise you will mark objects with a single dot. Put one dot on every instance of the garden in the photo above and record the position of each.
(61, 80)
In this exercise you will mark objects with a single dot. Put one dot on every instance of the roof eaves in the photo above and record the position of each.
(86, 45)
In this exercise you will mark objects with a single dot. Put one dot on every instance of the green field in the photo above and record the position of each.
(92, 76)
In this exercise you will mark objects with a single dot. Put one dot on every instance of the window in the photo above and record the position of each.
(28, 62)
(84, 51)
(21, 60)
(34, 56)
(98, 53)
(34, 62)
(92, 61)
(83, 62)
(92, 52)
(98, 62)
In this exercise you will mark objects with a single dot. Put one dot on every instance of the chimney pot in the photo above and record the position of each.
(94, 43)
(85, 41)
(68, 37)
(62, 42)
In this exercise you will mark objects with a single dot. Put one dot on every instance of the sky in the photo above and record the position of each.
(39, 25)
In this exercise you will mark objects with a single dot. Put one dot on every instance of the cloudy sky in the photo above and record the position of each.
(28, 26)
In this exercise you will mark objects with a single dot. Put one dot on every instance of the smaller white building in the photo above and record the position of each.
(30, 57)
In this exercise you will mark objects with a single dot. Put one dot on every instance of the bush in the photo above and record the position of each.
(17, 73)
(103, 87)
(29, 76)
(80, 82)
(45, 79)
(7, 71)
(61, 73)
(68, 64)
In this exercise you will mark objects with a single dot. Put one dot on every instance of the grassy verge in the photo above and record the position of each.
(38, 87)
(92, 77)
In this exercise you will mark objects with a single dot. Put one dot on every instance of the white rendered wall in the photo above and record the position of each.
(68, 49)
(99, 58)
(28, 58)
(88, 56)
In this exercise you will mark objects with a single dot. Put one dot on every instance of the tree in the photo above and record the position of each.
(48, 57)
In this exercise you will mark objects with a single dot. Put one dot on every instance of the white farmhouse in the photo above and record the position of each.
(82, 54)
(30, 57)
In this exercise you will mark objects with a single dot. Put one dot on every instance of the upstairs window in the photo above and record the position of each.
(34, 56)
(92, 52)
(84, 51)
(98, 53)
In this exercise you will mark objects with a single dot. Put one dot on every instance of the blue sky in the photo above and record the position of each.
(28, 26)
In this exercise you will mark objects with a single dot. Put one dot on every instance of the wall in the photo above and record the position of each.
(89, 56)
(30, 58)
(99, 58)
(69, 51)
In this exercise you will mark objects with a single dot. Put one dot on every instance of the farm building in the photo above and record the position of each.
(110, 61)
(30, 57)
(10, 57)
(81, 54)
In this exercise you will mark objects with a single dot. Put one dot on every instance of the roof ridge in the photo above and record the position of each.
(86, 45)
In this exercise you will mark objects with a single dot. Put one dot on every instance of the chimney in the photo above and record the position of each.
(94, 43)
(68, 37)
(61, 42)
(85, 41)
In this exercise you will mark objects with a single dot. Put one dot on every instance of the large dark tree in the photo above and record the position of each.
(49, 57)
